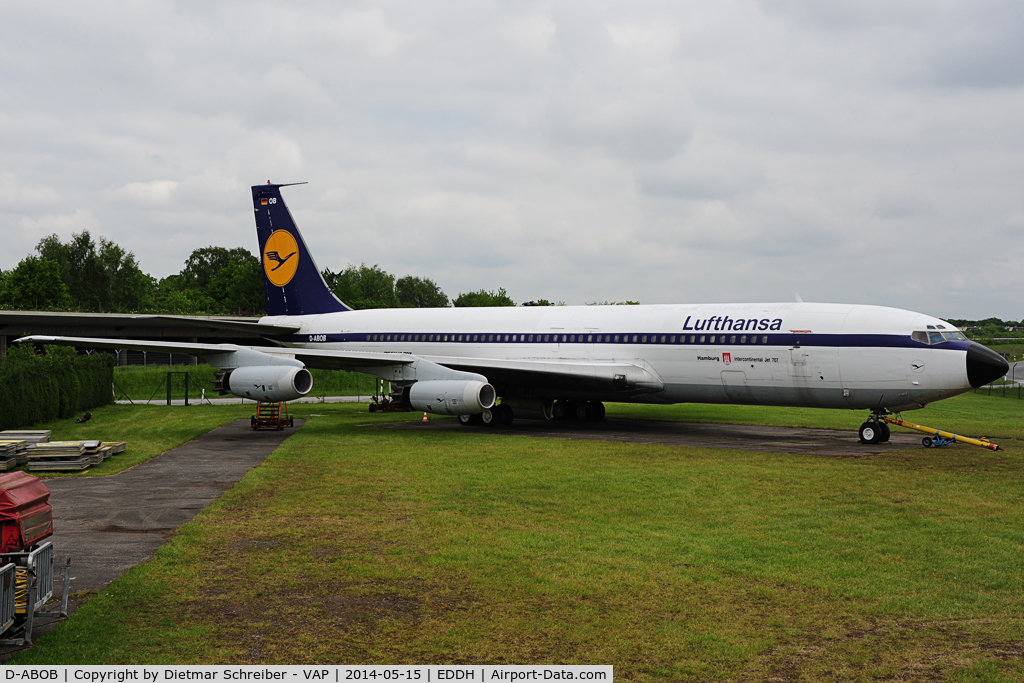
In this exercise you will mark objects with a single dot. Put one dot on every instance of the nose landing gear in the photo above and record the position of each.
(875, 430)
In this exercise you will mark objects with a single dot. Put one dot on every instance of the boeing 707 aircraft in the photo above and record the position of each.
(488, 365)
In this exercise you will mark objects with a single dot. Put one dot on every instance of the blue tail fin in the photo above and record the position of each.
(291, 280)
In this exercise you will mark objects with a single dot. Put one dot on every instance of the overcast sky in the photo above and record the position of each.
(863, 152)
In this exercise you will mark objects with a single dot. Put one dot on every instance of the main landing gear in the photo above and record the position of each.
(875, 430)
(580, 411)
(502, 414)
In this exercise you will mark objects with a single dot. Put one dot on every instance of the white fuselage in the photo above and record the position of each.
(797, 354)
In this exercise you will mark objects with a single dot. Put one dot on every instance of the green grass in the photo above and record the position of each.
(147, 430)
(360, 544)
(972, 414)
(1016, 350)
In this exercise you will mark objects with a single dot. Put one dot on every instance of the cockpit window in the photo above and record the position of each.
(937, 337)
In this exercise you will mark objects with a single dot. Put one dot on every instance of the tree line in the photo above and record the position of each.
(84, 274)
(992, 325)
(365, 286)
(989, 330)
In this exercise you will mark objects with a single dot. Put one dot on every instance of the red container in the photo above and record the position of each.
(26, 516)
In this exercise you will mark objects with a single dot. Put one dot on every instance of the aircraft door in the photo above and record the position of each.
(736, 388)
(798, 365)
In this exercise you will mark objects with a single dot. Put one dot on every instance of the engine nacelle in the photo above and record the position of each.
(452, 397)
(269, 382)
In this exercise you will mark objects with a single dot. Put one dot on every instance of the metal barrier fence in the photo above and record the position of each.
(7, 589)
(1004, 390)
(119, 392)
(40, 562)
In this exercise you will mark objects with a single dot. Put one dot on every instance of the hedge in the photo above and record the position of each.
(59, 384)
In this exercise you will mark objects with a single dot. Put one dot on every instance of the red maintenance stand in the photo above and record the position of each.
(272, 416)
(26, 557)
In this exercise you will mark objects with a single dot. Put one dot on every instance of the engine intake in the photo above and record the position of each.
(452, 397)
(267, 382)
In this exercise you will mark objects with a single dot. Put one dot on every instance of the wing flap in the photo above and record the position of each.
(327, 359)
(633, 377)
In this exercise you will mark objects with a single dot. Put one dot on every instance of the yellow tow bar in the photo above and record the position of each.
(942, 438)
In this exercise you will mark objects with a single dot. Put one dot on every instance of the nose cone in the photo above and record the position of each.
(984, 365)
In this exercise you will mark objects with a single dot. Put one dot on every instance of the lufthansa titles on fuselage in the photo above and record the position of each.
(718, 323)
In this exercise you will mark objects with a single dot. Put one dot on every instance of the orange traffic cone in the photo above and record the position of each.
(424, 418)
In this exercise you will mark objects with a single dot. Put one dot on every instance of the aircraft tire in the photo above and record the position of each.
(560, 411)
(869, 432)
(886, 432)
(506, 414)
(468, 421)
(489, 418)
(582, 412)
(596, 411)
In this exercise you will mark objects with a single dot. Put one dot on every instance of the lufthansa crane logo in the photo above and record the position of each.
(280, 257)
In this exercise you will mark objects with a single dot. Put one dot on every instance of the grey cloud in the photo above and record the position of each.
(841, 15)
(981, 46)
(699, 177)
(661, 152)
(628, 126)
(15, 194)
(897, 206)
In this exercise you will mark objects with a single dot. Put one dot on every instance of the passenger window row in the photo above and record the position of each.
(573, 338)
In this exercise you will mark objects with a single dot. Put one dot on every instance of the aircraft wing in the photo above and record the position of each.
(561, 375)
(544, 374)
(138, 324)
(262, 329)
(317, 359)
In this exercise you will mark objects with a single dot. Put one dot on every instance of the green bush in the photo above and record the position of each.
(58, 384)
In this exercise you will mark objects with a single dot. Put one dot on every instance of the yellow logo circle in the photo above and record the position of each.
(280, 257)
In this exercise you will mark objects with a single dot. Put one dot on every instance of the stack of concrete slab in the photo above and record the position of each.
(58, 456)
(94, 450)
(34, 448)
(11, 451)
(116, 446)
(30, 435)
